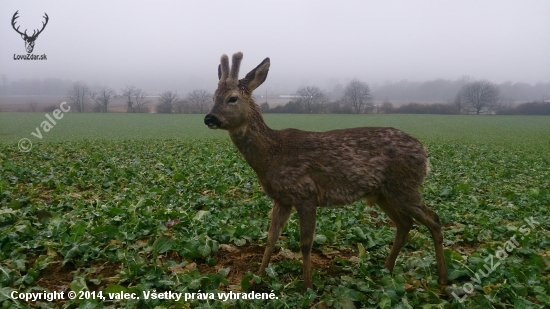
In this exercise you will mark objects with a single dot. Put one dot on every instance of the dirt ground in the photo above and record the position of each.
(241, 260)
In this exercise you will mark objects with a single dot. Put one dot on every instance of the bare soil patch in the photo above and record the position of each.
(242, 260)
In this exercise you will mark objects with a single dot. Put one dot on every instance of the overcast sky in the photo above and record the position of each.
(176, 45)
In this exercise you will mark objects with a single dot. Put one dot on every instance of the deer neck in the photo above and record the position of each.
(254, 141)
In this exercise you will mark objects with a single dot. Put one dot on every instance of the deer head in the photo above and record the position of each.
(29, 40)
(233, 98)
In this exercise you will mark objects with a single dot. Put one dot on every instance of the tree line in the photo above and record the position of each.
(80, 96)
(475, 97)
(137, 100)
(442, 90)
(197, 101)
(464, 96)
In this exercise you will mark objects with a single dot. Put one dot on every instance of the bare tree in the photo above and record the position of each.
(182, 107)
(128, 93)
(357, 95)
(264, 107)
(200, 100)
(78, 94)
(480, 95)
(140, 100)
(167, 101)
(311, 99)
(339, 107)
(458, 103)
(386, 107)
(32, 104)
(103, 97)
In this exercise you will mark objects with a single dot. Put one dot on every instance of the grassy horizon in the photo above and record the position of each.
(123, 126)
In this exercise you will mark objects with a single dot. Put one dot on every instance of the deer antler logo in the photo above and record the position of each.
(29, 40)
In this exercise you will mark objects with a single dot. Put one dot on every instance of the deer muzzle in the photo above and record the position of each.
(212, 121)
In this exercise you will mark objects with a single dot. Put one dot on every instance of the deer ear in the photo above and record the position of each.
(219, 71)
(257, 76)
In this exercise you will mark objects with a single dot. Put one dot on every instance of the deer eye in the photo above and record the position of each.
(232, 100)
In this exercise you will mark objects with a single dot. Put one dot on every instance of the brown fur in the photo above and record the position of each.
(317, 169)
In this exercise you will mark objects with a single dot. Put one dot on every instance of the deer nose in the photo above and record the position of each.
(212, 121)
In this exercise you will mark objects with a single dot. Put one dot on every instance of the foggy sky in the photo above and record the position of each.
(176, 45)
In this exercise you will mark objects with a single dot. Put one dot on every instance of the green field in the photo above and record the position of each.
(143, 202)
(122, 126)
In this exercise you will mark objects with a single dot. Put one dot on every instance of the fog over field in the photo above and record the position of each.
(176, 45)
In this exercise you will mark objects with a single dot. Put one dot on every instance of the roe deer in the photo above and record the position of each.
(318, 169)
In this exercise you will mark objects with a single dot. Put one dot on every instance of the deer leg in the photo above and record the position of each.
(430, 219)
(307, 217)
(415, 208)
(403, 223)
(279, 216)
(409, 201)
